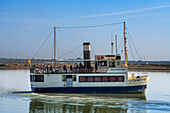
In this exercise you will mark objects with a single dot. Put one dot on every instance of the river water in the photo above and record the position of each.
(155, 100)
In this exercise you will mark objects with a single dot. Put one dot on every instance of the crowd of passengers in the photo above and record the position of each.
(49, 68)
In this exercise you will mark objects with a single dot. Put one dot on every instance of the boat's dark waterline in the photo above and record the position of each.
(91, 90)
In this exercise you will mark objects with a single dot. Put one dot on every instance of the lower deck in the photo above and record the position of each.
(87, 83)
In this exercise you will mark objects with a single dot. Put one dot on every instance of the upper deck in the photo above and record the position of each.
(101, 64)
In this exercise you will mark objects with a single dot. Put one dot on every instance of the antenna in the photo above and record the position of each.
(112, 43)
(116, 43)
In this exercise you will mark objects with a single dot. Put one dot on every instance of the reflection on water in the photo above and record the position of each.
(38, 106)
(79, 103)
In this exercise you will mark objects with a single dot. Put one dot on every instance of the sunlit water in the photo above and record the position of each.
(155, 99)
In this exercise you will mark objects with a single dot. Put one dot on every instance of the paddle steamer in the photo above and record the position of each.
(105, 75)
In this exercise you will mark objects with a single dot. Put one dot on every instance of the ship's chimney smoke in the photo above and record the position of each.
(86, 53)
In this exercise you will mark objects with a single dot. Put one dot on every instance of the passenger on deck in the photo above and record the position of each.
(75, 65)
(43, 67)
(81, 65)
(71, 68)
(36, 70)
(47, 68)
(64, 68)
(60, 69)
(51, 68)
(95, 65)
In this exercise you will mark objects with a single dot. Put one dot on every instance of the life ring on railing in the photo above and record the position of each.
(81, 70)
(36, 70)
(41, 70)
(91, 70)
(77, 71)
(102, 57)
(86, 70)
(74, 70)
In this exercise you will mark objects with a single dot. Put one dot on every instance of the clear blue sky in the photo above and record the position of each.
(25, 24)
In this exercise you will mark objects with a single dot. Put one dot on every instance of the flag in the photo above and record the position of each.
(29, 61)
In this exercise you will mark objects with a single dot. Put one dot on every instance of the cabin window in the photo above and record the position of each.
(101, 79)
(82, 79)
(105, 79)
(118, 57)
(118, 63)
(102, 63)
(120, 78)
(97, 79)
(74, 78)
(89, 79)
(31, 78)
(37, 78)
(113, 79)
(111, 64)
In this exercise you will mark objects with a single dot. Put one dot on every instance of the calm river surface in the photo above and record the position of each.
(155, 100)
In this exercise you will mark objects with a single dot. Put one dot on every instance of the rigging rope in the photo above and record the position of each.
(133, 43)
(71, 51)
(120, 45)
(42, 44)
(93, 50)
(90, 26)
(131, 49)
(80, 54)
(72, 28)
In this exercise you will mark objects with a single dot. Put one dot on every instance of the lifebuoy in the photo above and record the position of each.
(77, 70)
(36, 70)
(90, 70)
(86, 70)
(41, 70)
(81, 70)
(102, 57)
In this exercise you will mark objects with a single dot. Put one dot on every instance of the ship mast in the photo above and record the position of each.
(125, 48)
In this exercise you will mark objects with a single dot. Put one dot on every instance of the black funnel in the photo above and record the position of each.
(86, 53)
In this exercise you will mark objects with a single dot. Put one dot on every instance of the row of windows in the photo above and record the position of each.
(101, 78)
(37, 78)
(40, 78)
